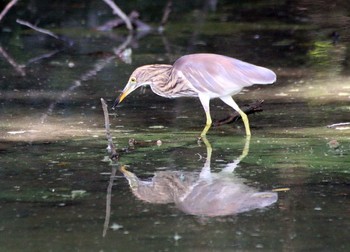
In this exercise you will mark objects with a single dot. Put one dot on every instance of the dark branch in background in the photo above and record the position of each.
(134, 19)
(7, 8)
(251, 109)
(120, 13)
(166, 14)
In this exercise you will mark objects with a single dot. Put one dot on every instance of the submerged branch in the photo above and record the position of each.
(12, 62)
(251, 109)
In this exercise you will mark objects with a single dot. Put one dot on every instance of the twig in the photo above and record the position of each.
(108, 201)
(111, 146)
(7, 8)
(120, 13)
(252, 108)
(47, 32)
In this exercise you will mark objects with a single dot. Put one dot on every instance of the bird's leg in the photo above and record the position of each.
(229, 101)
(207, 125)
(245, 121)
(205, 103)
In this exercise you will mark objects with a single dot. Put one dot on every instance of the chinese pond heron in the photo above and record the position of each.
(206, 76)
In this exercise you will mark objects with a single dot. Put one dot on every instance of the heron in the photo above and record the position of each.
(203, 75)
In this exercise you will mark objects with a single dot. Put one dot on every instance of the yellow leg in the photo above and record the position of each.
(207, 125)
(229, 101)
(246, 122)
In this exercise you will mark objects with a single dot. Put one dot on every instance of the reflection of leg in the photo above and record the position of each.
(205, 172)
(230, 167)
(245, 149)
(229, 101)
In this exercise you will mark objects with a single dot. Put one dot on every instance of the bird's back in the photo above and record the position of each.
(218, 75)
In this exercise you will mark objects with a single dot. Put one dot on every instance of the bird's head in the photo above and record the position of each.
(131, 177)
(142, 76)
(137, 79)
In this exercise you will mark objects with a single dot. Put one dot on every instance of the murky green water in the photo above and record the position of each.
(58, 192)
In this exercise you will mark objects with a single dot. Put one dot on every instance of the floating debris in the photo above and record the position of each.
(285, 189)
(156, 127)
(340, 126)
(77, 193)
(333, 144)
(177, 237)
(115, 227)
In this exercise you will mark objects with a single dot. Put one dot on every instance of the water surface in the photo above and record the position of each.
(54, 165)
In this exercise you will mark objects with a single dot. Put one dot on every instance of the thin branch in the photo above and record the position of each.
(120, 13)
(47, 32)
(114, 155)
(108, 201)
(7, 8)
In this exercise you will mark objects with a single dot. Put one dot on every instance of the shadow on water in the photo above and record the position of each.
(202, 193)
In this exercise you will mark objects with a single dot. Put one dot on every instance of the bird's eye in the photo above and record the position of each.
(133, 80)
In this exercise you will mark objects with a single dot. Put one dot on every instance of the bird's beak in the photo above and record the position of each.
(127, 90)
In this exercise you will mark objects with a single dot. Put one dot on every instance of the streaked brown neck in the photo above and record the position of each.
(167, 83)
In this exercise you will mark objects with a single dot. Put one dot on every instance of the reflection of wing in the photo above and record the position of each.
(221, 75)
(224, 197)
(218, 196)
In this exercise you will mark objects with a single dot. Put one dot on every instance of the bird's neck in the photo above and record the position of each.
(159, 73)
(161, 78)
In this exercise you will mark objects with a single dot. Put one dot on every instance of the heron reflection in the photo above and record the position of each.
(202, 193)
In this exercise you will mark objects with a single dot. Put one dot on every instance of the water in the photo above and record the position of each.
(58, 191)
